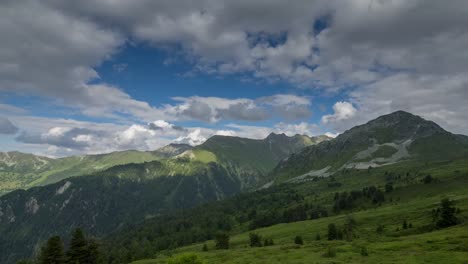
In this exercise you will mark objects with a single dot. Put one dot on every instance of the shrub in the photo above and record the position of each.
(268, 242)
(222, 241)
(317, 237)
(255, 240)
(298, 240)
(205, 247)
(364, 252)
(428, 179)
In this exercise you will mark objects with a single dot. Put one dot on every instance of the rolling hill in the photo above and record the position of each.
(19, 170)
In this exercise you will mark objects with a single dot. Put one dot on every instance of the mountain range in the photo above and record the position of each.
(104, 194)
(136, 185)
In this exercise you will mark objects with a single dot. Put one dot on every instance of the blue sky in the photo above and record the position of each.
(107, 76)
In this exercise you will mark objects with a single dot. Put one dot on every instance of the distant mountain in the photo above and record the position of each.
(20, 170)
(127, 193)
(389, 139)
(251, 159)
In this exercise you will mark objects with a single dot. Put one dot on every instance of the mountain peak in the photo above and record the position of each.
(273, 135)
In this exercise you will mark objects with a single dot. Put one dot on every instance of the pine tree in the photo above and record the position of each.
(93, 255)
(52, 252)
(332, 232)
(446, 216)
(78, 251)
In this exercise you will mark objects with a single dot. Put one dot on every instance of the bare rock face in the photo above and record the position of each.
(32, 206)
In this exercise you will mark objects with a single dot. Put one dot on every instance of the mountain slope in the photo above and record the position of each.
(386, 140)
(251, 158)
(128, 193)
(19, 170)
(102, 202)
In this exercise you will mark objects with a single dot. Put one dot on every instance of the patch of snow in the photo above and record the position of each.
(402, 152)
(324, 172)
(63, 188)
(267, 185)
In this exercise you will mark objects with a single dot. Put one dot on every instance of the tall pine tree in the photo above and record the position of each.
(78, 251)
(52, 252)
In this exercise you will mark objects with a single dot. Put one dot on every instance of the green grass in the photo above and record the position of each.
(204, 156)
(413, 202)
(443, 246)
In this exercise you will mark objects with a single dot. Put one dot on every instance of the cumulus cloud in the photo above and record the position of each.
(342, 111)
(394, 54)
(214, 109)
(193, 138)
(7, 127)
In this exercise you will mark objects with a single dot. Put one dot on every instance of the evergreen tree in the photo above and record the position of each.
(93, 255)
(332, 232)
(446, 216)
(205, 247)
(405, 224)
(78, 251)
(52, 252)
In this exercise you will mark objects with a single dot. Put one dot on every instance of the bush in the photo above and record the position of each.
(428, 179)
(268, 242)
(298, 240)
(222, 241)
(364, 252)
(205, 247)
(317, 237)
(255, 240)
(187, 258)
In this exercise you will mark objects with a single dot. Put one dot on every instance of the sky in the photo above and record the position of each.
(88, 77)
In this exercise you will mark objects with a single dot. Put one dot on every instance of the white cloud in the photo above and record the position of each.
(397, 54)
(342, 111)
(193, 138)
(214, 109)
(332, 135)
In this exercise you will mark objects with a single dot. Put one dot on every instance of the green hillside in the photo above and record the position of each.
(278, 213)
(386, 140)
(249, 157)
(107, 199)
(20, 170)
